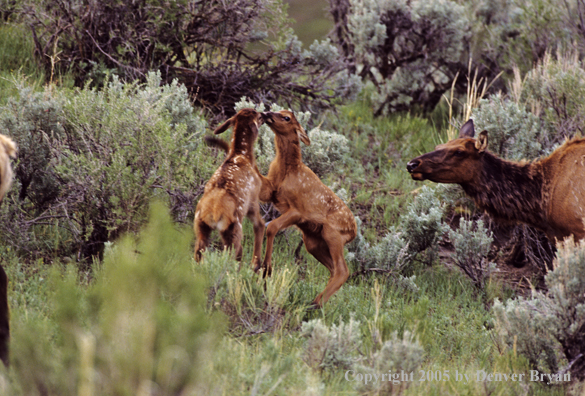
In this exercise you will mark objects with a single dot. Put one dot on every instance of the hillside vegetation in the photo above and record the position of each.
(109, 114)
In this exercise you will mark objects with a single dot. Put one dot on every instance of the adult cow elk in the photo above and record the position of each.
(232, 192)
(303, 200)
(547, 193)
(7, 150)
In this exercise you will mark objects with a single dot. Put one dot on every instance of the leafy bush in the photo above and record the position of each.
(472, 243)
(551, 326)
(396, 355)
(514, 133)
(391, 254)
(140, 325)
(335, 347)
(554, 90)
(205, 45)
(422, 223)
(92, 159)
(409, 50)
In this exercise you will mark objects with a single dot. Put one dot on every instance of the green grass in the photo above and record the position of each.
(17, 59)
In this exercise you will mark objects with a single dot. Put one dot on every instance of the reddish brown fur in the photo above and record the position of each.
(303, 200)
(233, 190)
(7, 150)
(548, 193)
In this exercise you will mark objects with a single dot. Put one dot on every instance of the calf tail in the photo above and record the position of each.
(216, 142)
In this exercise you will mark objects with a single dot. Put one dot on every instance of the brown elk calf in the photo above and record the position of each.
(548, 193)
(7, 150)
(233, 190)
(303, 200)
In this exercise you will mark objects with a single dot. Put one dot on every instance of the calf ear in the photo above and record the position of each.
(482, 142)
(467, 130)
(223, 127)
(303, 135)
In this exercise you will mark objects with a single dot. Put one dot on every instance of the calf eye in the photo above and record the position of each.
(459, 153)
(286, 118)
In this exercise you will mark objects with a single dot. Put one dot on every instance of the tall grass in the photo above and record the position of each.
(17, 59)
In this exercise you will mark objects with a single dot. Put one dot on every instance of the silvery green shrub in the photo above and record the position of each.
(549, 328)
(407, 49)
(422, 224)
(34, 120)
(396, 356)
(472, 243)
(513, 132)
(336, 347)
(110, 151)
(391, 253)
(554, 89)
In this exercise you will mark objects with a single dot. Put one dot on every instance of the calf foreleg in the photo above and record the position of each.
(287, 219)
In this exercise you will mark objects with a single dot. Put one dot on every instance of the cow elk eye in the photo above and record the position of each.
(459, 153)
(286, 118)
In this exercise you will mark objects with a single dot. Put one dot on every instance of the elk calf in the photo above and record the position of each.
(7, 150)
(303, 200)
(548, 193)
(233, 190)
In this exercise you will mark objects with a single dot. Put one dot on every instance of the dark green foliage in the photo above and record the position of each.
(220, 50)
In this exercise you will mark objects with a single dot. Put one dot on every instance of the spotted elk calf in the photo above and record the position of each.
(232, 192)
(303, 200)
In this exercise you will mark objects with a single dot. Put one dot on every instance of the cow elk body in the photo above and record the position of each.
(303, 200)
(548, 193)
(7, 150)
(232, 192)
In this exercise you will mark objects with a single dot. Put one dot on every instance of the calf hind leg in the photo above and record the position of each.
(202, 231)
(258, 237)
(329, 255)
(232, 238)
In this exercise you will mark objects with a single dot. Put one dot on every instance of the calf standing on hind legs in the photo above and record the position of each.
(233, 190)
(7, 150)
(325, 221)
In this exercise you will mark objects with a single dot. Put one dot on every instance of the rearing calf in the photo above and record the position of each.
(233, 190)
(326, 222)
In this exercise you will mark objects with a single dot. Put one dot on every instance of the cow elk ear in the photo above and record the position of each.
(482, 142)
(303, 136)
(223, 127)
(467, 129)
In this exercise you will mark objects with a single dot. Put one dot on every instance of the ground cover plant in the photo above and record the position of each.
(97, 242)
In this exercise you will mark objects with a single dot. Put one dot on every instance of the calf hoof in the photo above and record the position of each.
(314, 306)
